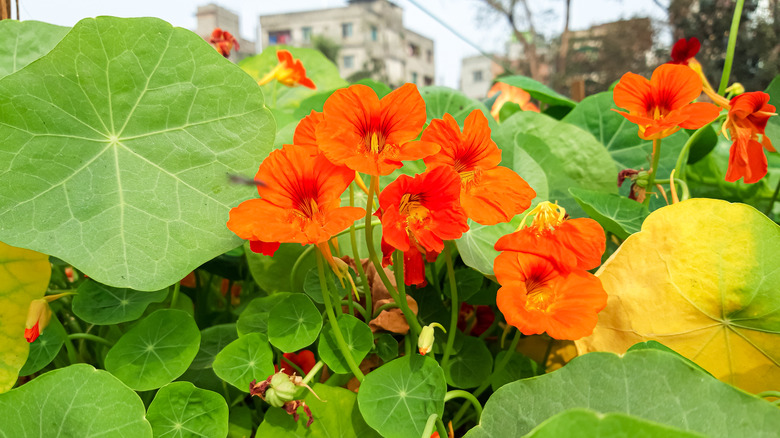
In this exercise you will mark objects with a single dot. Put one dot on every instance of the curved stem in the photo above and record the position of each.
(429, 425)
(653, 169)
(441, 428)
(314, 370)
(386, 306)
(332, 317)
(455, 308)
(89, 337)
(175, 296)
(774, 198)
(459, 393)
(682, 158)
(356, 257)
(297, 265)
(724, 79)
(360, 308)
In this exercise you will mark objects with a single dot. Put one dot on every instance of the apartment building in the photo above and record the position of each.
(211, 17)
(371, 36)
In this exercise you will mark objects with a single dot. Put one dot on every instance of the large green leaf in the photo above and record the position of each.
(294, 323)
(397, 398)
(180, 410)
(538, 91)
(77, 401)
(616, 214)
(650, 384)
(118, 143)
(26, 41)
(357, 336)
(319, 69)
(336, 415)
(444, 100)
(24, 275)
(156, 351)
(246, 359)
(97, 303)
(586, 423)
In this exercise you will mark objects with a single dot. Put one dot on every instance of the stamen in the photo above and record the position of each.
(374, 144)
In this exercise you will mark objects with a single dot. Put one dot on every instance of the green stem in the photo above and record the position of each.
(724, 79)
(175, 297)
(454, 307)
(441, 428)
(89, 337)
(297, 265)
(314, 370)
(386, 306)
(73, 356)
(357, 305)
(459, 393)
(774, 198)
(429, 425)
(682, 158)
(332, 317)
(767, 394)
(653, 169)
(284, 362)
(356, 256)
(411, 318)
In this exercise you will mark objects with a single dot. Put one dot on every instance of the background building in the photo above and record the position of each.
(211, 17)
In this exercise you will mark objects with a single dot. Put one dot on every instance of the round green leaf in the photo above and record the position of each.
(397, 398)
(538, 91)
(650, 384)
(44, 349)
(212, 341)
(254, 318)
(468, 282)
(97, 303)
(386, 347)
(294, 324)
(619, 215)
(471, 365)
(179, 409)
(26, 41)
(586, 423)
(356, 334)
(312, 286)
(445, 100)
(156, 351)
(121, 158)
(77, 401)
(519, 367)
(336, 415)
(245, 359)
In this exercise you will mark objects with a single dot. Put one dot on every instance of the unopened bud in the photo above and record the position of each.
(425, 341)
(281, 390)
(735, 89)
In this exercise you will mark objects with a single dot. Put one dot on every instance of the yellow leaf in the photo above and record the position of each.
(703, 278)
(24, 276)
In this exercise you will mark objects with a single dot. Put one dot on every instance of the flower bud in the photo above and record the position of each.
(425, 341)
(38, 317)
(281, 390)
(735, 89)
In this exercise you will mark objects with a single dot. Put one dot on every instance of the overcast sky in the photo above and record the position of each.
(463, 15)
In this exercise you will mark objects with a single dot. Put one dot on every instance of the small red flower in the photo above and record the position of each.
(684, 50)
(223, 41)
(747, 119)
(304, 360)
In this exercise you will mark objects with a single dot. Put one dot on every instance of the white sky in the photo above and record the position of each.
(459, 14)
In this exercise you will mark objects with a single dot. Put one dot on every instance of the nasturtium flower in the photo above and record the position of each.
(305, 132)
(298, 203)
(747, 119)
(370, 135)
(418, 213)
(489, 193)
(567, 244)
(223, 41)
(510, 93)
(304, 360)
(684, 51)
(536, 298)
(289, 72)
(662, 105)
(38, 317)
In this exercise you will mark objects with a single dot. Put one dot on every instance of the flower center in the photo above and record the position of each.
(547, 216)
(540, 296)
(374, 143)
(307, 208)
(412, 207)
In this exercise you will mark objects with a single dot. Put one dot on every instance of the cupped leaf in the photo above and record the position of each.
(212, 341)
(356, 334)
(74, 401)
(445, 100)
(254, 318)
(120, 157)
(397, 398)
(294, 324)
(538, 91)
(179, 409)
(156, 351)
(24, 275)
(650, 384)
(619, 215)
(99, 304)
(26, 41)
(471, 365)
(246, 359)
(335, 415)
(701, 277)
(319, 69)
(45, 348)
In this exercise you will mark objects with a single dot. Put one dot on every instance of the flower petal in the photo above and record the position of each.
(499, 195)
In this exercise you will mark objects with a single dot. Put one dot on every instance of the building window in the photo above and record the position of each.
(427, 80)
(476, 76)
(414, 77)
(413, 50)
(429, 55)
(279, 37)
(349, 61)
(306, 34)
(346, 30)
(374, 33)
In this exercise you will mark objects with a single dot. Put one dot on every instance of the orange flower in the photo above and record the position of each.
(536, 298)
(662, 105)
(223, 41)
(289, 72)
(566, 243)
(305, 131)
(747, 119)
(683, 51)
(299, 203)
(510, 93)
(418, 214)
(489, 193)
(370, 135)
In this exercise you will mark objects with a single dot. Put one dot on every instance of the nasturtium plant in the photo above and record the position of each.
(470, 366)
(26, 41)
(619, 215)
(246, 359)
(357, 336)
(294, 324)
(180, 409)
(443, 100)
(254, 317)
(44, 348)
(594, 424)
(212, 341)
(99, 304)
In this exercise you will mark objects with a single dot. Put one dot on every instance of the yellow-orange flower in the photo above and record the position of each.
(289, 72)
(662, 105)
(489, 193)
(510, 93)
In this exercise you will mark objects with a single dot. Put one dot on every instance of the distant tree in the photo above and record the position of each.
(327, 46)
(520, 18)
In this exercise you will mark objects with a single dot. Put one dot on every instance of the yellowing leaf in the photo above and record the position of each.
(24, 275)
(702, 278)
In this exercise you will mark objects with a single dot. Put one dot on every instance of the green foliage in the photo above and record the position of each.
(538, 91)
(471, 365)
(443, 100)
(45, 348)
(26, 41)
(589, 423)
(99, 304)
(246, 359)
(356, 334)
(294, 324)
(179, 409)
(616, 214)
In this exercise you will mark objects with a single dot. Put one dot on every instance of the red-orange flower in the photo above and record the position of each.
(305, 132)
(299, 203)
(747, 119)
(223, 41)
(566, 243)
(418, 214)
(662, 105)
(370, 135)
(489, 193)
(304, 360)
(536, 298)
(510, 93)
(684, 51)
(289, 72)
